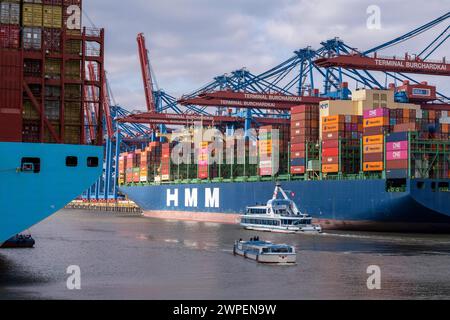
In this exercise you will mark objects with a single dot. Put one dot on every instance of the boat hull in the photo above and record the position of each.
(342, 204)
(29, 197)
(267, 258)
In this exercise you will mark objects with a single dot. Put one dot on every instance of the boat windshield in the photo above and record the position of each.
(302, 222)
(278, 250)
(256, 211)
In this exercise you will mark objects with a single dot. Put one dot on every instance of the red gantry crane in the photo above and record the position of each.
(146, 73)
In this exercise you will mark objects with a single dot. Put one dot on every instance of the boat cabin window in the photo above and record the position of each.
(31, 165)
(92, 162)
(71, 161)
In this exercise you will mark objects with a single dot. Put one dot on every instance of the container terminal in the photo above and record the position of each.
(373, 156)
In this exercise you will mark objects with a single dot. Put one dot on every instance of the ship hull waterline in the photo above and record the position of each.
(360, 205)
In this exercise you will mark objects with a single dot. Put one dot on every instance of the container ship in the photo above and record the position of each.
(47, 155)
(371, 163)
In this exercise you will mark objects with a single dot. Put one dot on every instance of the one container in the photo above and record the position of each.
(32, 38)
(9, 36)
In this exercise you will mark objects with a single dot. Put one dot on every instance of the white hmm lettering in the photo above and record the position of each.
(172, 198)
(212, 198)
(191, 198)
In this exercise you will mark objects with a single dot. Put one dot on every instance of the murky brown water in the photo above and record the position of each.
(138, 258)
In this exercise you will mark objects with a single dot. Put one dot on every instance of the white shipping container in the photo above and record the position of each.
(444, 120)
(419, 114)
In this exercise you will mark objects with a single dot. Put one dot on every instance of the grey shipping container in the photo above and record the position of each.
(32, 38)
(9, 13)
(52, 110)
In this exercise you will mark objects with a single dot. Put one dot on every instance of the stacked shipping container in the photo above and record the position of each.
(203, 161)
(376, 125)
(165, 162)
(40, 54)
(266, 146)
(304, 135)
(397, 155)
(341, 136)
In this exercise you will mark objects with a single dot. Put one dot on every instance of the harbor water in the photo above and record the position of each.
(125, 257)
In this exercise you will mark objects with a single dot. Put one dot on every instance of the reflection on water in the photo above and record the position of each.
(138, 258)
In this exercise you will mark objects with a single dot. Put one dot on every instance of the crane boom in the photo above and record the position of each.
(146, 73)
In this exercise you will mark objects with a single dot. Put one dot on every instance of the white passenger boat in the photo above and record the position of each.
(279, 215)
(265, 252)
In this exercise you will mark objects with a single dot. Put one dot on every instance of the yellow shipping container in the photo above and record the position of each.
(373, 166)
(32, 15)
(52, 17)
(369, 140)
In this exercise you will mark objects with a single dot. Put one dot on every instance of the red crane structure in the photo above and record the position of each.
(246, 100)
(186, 119)
(407, 64)
(146, 73)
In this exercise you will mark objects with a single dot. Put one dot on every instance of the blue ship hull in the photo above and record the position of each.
(343, 204)
(27, 198)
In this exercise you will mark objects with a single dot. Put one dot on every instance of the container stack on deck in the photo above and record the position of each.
(203, 161)
(371, 136)
(267, 140)
(165, 162)
(376, 126)
(42, 68)
(304, 137)
(341, 135)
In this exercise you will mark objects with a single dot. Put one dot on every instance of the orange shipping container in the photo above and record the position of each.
(374, 148)
(370, 140)
(373, 166)
(376, 122)
(331, 168)
(326, 128)
(333, 119)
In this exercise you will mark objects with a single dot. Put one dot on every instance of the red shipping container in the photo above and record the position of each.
(397, 164)
(298, 147)
(330, 152)
(330, 160)
(298, 170)
(265, 171)
(9, 36)
(374, 157)
(331, 136)
(52, 39)
(11, 97)
(298, 154)
(329, 144)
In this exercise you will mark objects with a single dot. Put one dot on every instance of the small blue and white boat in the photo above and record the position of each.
(265, 252)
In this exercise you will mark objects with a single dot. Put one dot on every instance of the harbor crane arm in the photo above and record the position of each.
(146, 73)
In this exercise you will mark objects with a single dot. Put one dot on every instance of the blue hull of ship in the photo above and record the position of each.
(344, 204)
(28, 198)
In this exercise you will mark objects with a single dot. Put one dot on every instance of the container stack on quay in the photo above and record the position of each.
(41, 62)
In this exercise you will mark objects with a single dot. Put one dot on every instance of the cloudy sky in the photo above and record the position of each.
(192, 41)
